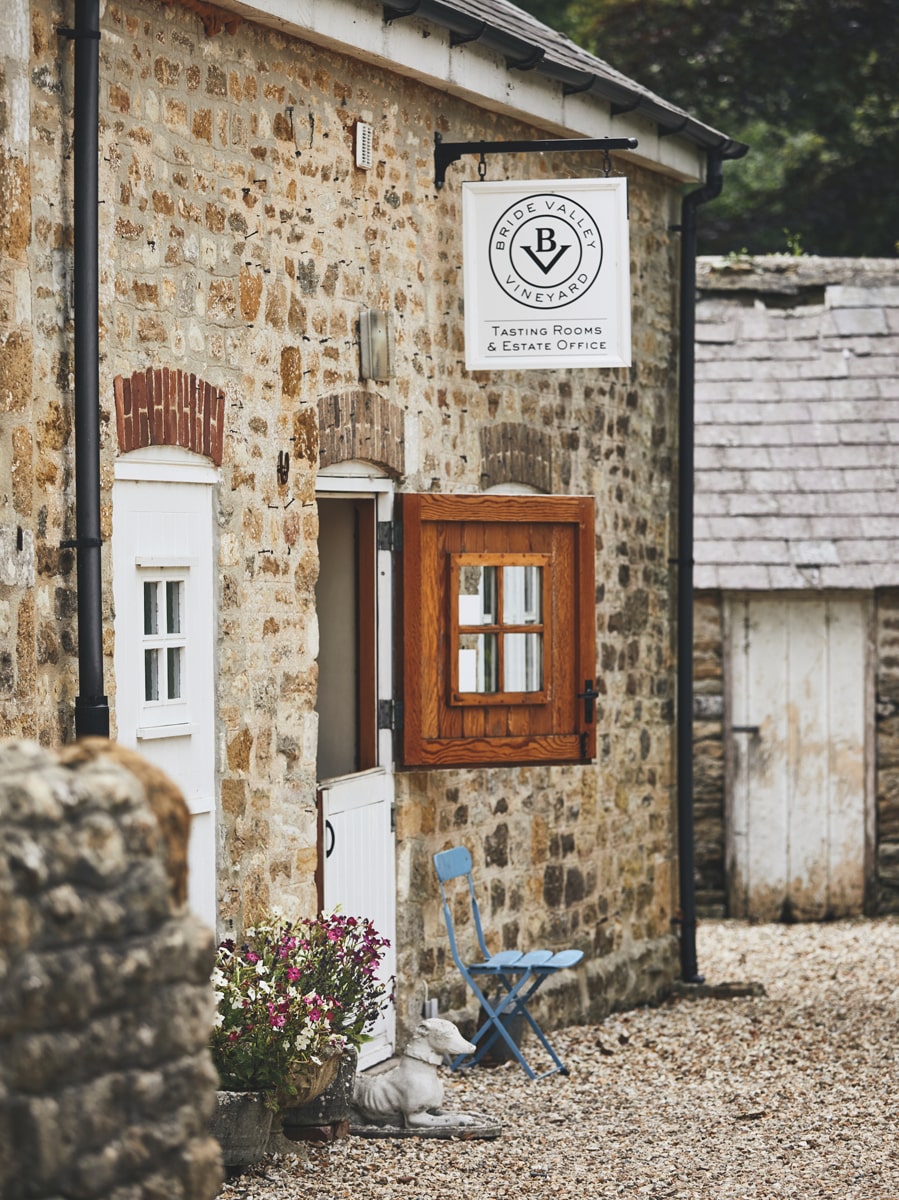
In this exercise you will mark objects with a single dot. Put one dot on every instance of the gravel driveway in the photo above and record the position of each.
(787, 1094)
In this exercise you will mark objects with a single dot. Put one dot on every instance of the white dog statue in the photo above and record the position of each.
(410, 1094)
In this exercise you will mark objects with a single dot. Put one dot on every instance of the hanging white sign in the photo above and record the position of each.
(547, 274)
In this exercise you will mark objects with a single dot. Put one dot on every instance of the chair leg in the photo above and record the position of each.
(519, 1004)
(497, 1029)
(512, 1002)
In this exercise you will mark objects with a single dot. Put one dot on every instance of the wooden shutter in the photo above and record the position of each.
(447, 721)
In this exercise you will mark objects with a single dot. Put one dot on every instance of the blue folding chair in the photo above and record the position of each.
(513, 976)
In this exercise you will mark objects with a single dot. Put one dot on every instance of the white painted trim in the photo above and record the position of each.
(420, 50)
(165, 464)
(164, 564)
(356, 471)
(146, 733)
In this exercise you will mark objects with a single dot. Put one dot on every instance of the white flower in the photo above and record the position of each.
(261, 968)
(219, 1020)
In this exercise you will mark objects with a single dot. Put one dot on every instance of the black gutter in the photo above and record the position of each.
(91, 704)
(686, 384)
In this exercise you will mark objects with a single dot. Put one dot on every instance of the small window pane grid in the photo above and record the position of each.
(499, 630)
(164, 644)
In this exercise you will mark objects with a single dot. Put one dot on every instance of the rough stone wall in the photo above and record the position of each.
(240, 244)
(21, 510)
(884, 892)
(709, 755)
(572, 855)
(106, 1084)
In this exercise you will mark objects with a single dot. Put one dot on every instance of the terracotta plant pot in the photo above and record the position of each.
(241, 1125)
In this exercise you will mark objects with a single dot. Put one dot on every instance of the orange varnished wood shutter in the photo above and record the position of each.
(441, 729)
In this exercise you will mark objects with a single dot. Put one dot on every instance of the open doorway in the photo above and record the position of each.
(355, 757)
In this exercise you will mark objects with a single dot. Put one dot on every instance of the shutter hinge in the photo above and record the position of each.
(390, 715)
(390, 536)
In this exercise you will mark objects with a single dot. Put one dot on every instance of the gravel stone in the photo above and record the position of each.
(717, 1096)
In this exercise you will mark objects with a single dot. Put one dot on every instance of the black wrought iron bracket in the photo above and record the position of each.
(448, 152)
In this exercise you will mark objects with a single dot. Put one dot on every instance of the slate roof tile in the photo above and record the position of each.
(850, 321)
(797, 424)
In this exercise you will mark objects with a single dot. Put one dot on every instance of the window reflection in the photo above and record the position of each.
(505, 597)
(477, 595)
(479, 663)
(522, 595)
(524, 662)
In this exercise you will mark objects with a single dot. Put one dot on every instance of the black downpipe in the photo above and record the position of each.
(91, 704)
(710, 189)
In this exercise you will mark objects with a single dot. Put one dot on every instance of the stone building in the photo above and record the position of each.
(267, 211)
(797, 570)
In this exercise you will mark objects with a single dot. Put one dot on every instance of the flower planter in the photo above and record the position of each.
(310, 1080)
(241, 1125)
(330, 1106)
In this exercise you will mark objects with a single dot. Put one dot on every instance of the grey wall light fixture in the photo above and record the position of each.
(376, 344)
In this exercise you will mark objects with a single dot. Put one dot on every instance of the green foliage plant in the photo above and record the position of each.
(291, 994)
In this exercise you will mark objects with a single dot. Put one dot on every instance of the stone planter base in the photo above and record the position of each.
(241, 1125)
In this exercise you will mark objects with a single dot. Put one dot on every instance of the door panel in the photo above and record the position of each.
(360, 874)
(355, 763)
(798, 711)
(163, 538)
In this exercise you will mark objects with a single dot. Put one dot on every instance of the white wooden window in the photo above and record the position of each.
(164, 646)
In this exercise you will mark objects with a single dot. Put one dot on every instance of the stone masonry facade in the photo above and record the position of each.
(106, 1082)
(240, 244)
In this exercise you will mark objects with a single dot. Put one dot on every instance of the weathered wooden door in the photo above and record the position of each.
(798, 703)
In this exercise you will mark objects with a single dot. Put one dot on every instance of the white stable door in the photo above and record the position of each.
(798, 669)
(355, 757)
(162, 555)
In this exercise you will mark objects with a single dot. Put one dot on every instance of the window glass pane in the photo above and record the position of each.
(522, 596)
(524, 662)
(151, 608)
(151, 674)
(479, 662)
(174, 658)
(173, 597)
(477, 595)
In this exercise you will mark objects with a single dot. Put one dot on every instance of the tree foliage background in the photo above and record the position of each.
(811, 85)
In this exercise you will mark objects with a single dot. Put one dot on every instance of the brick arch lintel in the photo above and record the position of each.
(513, 452)
(363, 426)
(161, 406)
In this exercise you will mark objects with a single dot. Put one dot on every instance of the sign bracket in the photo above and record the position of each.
(446, 153)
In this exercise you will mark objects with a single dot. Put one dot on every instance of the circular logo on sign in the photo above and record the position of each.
(545, 251)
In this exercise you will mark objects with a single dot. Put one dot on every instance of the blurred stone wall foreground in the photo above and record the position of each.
(106, 1084)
